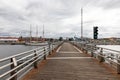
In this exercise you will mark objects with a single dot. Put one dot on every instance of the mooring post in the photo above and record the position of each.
(118, 65)
(13, 66)
(44, 53)
(36, 62)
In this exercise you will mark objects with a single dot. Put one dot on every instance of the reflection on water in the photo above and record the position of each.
(9, 50)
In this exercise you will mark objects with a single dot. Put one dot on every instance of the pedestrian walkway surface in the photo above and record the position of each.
(69, 63)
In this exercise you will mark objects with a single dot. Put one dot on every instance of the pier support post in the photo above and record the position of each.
(44, 54)
(13, 66)
(118, 65)
(36, 62)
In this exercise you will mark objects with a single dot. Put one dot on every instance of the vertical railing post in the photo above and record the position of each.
(92, 53)
(44, 53)
(36, 62)
(52, 49)
(95, 48)
(86, 48)
(49, 44)
(13, 66)
(101, 58)
(118, 65)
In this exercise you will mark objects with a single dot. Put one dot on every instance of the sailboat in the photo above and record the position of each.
(36, 43)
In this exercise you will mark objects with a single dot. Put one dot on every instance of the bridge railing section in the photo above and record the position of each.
(16, 66)
(108, 56)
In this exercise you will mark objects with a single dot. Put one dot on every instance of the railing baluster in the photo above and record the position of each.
(92, 53)
(100, 57)
(118, 65)
(13, 66)
(36, 62)
(49, 44)
(44, 53)
(52, 49)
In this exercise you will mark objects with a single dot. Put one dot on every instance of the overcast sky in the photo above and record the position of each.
(60, 17)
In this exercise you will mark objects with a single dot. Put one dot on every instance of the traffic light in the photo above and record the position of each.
(95, 30)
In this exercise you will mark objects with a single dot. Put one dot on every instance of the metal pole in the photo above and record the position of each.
(36, 33)
(81, 23)
(30, 33)
(43, 34)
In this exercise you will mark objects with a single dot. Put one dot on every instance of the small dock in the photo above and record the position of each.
(69, 63)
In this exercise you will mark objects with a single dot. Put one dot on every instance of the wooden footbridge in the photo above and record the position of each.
(69, 62)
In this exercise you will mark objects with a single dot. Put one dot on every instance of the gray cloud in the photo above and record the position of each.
(60, 17)
(109, 4)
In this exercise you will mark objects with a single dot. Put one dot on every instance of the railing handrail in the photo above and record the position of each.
(112, 56)
(1, 60)
(30, 57)
(104, 48)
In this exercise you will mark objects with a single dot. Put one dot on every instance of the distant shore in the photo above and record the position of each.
(13, 43)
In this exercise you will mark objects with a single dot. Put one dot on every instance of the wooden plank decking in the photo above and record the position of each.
(70, 64)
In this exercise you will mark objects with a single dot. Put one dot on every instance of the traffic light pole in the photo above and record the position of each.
(95, 32)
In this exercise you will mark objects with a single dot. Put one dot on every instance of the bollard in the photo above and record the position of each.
(36, 62)
(118, 65)
(44, 54)
(13, 66)
(101, 58)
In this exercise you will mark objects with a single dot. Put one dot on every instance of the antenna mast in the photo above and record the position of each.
(81, 23)
(37, 33)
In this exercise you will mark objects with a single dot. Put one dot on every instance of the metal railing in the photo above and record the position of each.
(109, 56)
(16, 66)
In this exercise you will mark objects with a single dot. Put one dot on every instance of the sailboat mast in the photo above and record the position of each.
(37, 33)
(30, 33)
(43, 32)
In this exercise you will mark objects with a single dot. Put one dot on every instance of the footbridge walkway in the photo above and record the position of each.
(69, 62)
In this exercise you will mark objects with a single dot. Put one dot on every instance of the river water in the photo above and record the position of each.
(9, 50)
(113, 47)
